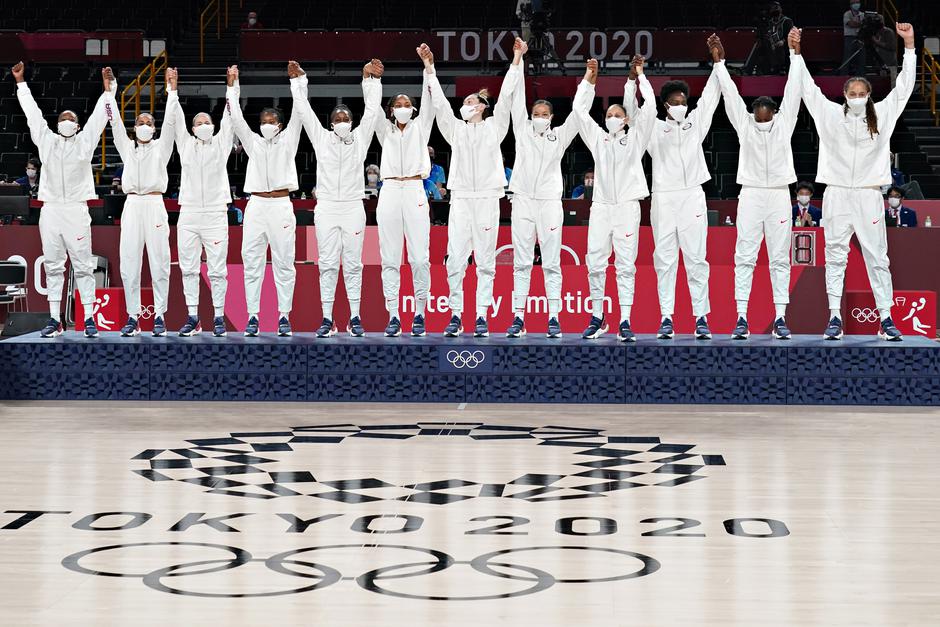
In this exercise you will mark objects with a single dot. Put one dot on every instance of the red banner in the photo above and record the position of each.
(470, 46)
(69, 47)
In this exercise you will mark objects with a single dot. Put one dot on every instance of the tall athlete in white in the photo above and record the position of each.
(619, 185)
(403, 213)
(765, 172)
(340, 216)
(679, 214)
(65, 188)
(854, 162)
(144, 223)
(537, 187)
(269, 217)
(204, 197)
(477, 181)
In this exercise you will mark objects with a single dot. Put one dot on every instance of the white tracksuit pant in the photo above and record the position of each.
(763, 214)
(859, 211)
(341, 227)
(65, 230)
(269, 222)
(472, 226)
(203, 229)
(144, 224)
(680, 222)
(403, 215)
(536, 219)
(614, 227)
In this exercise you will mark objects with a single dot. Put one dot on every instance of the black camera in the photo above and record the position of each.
(872, 22)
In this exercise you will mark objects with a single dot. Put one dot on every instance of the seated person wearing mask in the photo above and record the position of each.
(896, 214)
(578, 192)
(807, 213)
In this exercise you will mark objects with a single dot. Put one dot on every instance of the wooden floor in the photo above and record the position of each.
(579, 515)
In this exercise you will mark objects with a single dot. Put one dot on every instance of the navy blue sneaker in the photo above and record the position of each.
(666, 332)
(91, 329)
(251, 329)
(394, 328)
(626, 334)
(417, 327)
(554, 329)
(355, 327)
(702, 332)
(596, 328)
(454, 328)
(52, 329)
(327, 328)
(517, 328)
(131, 328)
(283, 327)
(781, 331)
(159, 327)
(218, 326)
(741, 331)
(191, 328)
(481, 329)
(888, 331)
(834, 330)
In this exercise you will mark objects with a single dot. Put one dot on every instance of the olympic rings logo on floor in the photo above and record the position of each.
(317, 575)
(866, 314)
(465, 359)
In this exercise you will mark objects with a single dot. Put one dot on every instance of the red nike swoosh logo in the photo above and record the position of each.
(782, 221)
(487, 228)
(876, 221)
(699, 215)
(554, 228)
(286, 226)
(216, 243)
(159, 225)
(357, 232)
(81, 238)
(629, 235)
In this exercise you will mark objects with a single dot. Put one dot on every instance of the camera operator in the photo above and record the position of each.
(770, 54)
(535, 18)
(885, 42)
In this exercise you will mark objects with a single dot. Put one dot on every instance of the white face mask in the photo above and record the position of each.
(372, 178)
(541, 124)
(343, 129)
(803, 199)
(67, 128)
(764, 127)
(857, 105)
(31, 173)
(144, 132)
(204, 131)
(252, 21)
(677, 112)
(589, 182)
(614, 124)
(467, 112)
(403, 114)
(894, 203)
(269, 130)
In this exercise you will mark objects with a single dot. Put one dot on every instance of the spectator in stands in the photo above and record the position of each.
(30, 182)
(578, 192)
(434, 184)
(807, 213)
(252, 23)
(373, 182)
(507, 171)
(851, 24)
(896, 213)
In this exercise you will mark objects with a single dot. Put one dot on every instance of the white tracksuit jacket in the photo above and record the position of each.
(537, 213)
(144, 220)
(402, 213)
(476, 184)
(269, 221)
(765, 171)
(619, 185)
(64, 188)
(854, 164)
(204, 197)
(340, 217)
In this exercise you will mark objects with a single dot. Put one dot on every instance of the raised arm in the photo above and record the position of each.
(372, 95)
(123, 143)
(242, 130)
(502, 112)
(518, 111)
(708, 102)
(629, 92)
(646, 120)
(426, 111)
(790, 105)
(38, 128)
(819, 107)
(302, 112)
(581, 108)
(168, 133)
(895, 101)
(90, 135)
(734, 104)
(446, 120)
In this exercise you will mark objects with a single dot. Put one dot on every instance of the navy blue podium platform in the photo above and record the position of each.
(803, 371)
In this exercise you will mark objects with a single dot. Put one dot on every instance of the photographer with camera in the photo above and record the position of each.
(770, 55)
